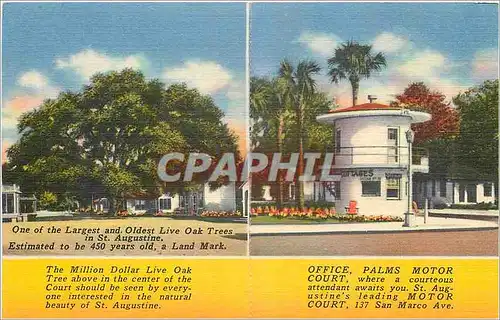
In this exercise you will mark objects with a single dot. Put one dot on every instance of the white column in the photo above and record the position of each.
(267, 192)
(480, 192)
(14, 204)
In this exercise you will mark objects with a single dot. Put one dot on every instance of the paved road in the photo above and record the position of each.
(429, 243)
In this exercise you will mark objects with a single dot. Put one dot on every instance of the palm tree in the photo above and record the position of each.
(298, 89)
(267, 107)
(353, 61)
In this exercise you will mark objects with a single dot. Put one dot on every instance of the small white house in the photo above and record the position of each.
(230, 197)
(372, 157)
(444, 192)
(11, 198)
(328, 191)
(14, 206)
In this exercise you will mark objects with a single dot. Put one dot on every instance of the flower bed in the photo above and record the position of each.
(318, 214)
(221, 214)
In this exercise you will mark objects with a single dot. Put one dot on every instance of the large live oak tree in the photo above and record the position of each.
(107, 139)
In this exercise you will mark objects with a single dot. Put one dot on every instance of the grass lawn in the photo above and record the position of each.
(273, 220)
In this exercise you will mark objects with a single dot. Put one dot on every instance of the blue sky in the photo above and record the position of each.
(449, 46)
(51, 47)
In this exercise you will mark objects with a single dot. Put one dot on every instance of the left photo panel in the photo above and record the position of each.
(124, 129)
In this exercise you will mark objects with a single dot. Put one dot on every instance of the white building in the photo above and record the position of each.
(230, 197)
(313, 191)
(443, 192)
(372, 157)
(15, 207)
(11, 202)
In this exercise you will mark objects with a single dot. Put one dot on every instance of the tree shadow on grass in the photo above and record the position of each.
(237, 236)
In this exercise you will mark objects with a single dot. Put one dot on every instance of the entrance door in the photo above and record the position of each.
(461, 193)
(471, 193)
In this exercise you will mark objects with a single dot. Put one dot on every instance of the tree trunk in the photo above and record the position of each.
(279, 202)
(355, 90)
(299, 191)
(112, 206)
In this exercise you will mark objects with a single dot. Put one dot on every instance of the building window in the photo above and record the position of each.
(433, 188)
(370, 188)
(322, 193)
(140, 204)
(393, 188)
(393, 145)
(442, 188)
(194, 202)
(337, 190)
(461, 193)
(338, 139)
(166, 204)
(487, 189)
(8, 203)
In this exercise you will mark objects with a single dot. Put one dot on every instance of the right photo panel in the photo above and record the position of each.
(374, 129)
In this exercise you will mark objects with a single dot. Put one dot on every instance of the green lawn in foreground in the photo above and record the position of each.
(273, 220)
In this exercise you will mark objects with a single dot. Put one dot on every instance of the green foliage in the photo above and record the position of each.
(106, 140)
(47, 201)
(478, 139)
(353, 61)
(283, 112)
(476, 206)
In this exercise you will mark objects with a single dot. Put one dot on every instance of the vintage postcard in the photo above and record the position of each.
(389, 114)
(249, 159)
(95, 94)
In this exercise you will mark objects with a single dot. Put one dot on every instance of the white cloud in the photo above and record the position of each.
(424, 64)
(38, 84)
(207, 76)
(319, 43)
(406, 63)
(485, 64)
(389, 43)
(88, 62)
(33, 79)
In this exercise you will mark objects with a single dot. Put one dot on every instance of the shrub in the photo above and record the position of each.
(47, 201)
(476, 206)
